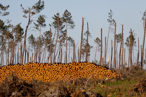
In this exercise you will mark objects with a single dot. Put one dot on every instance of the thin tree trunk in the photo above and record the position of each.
(124, 56)
(18, 55)
(61, 56)
(105, 53)
(8, 55)
(39, 48)
(101, 48)
(32, 58)
(73, 51)
(106, 47)
(21, 53)
(15, 59)
(130, 49)
(111, 53)
(120, 48)
(56, 42)
(143, 46)
(24, 45)
(50, 46)
(115, 47)
(66, 45)
(78, 54)
(87, 48)
(69, 54)
(138, 53)
(2, 57)
(81, 38)
(95, 54)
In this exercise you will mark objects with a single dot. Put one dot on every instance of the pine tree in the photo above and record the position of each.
(67, 18)
(36, 8)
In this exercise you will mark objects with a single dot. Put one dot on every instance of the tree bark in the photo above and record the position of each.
(73, 51)
(105, 53)
(50, 46)
(120, 48)
(111, 53)
(138, 53)
(101, 48)
(56, 41)
(86, 59)
(81, 39)
(115, 47)
(130, 48)
(24, 45)
(66, 45)
(143, 46)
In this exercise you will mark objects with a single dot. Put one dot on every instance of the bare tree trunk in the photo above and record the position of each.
(87, 48)
(81, 38)
(115, 47)
(101, 48)
(8, 55)
(39, 47)
(78, 54)
(111, 53)
(13, 47)
(95, 54)
(32, 58)
(143, 46)
(145, 54)
(18, 55)
(25, 56)
(56, 42)
(105, 53)
(138, 53)
(106, 47)
(120, 48)
(69, 54)
(50, 46)
(124, 56)
(24, 45)
(73, 52)
(2, 57)
(130, 50)
(21, 54)
(66, 45)
(15, 59)
(61, 56)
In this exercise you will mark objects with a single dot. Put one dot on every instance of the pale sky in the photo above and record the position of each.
(127, 12)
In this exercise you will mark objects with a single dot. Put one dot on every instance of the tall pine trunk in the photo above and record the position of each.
(111, 53)
(81, 39)
(66, 45)
(115, 47)
(138, 53)
(101, 48)
(87, 48)
(24, 44)
(130, 50)
(56, 41)
(120, 48)
(105, 53)
(143, 46)
(50, 46)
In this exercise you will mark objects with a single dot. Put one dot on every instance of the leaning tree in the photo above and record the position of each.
(28, 13)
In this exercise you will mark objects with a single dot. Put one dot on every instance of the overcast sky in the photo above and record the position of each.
(127, 12)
